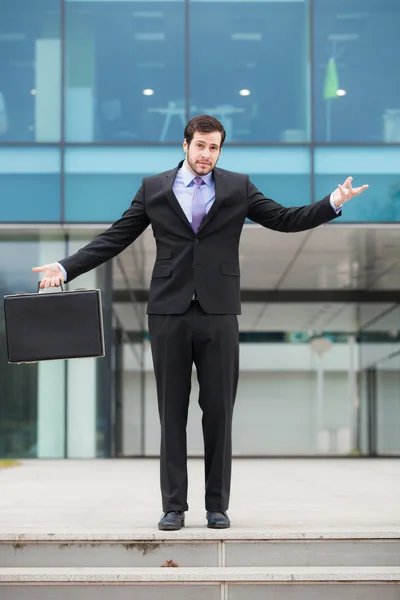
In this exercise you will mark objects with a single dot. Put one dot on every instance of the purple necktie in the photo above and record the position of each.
(198, 205)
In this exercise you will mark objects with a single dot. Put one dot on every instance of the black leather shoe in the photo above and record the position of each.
(172, 520)
(217, 520)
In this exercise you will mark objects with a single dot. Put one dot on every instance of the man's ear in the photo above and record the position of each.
(185, 145)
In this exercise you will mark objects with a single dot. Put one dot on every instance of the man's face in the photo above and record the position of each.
(203, 153)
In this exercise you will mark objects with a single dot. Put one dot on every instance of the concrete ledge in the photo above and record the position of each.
(200, 535)
(289, 499)
(199, 574)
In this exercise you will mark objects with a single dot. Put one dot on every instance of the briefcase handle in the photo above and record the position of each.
(38, 287)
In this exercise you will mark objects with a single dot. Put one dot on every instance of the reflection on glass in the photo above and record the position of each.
(356, 83)
(388, 405)
(30, 71)
(125, 71)
(32, 396)
(18, 395)
(249, 67)
(380, 364)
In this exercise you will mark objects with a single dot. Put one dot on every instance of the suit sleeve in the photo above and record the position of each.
(272, 215)
(111, 242)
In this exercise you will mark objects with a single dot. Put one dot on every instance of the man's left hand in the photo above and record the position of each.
(346, 192)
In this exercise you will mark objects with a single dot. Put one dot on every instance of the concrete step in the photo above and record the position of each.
(202, 549)
(200, 574)
(233, 583)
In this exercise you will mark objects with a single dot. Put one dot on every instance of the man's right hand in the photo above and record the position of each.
(52, 277)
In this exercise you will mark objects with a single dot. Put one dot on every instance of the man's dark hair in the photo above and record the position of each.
(204, 124)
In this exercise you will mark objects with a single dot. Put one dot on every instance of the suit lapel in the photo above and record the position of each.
(172, 199)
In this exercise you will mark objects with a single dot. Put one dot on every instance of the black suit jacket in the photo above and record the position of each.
(208, 261)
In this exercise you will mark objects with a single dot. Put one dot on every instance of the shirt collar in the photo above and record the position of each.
(188, 176)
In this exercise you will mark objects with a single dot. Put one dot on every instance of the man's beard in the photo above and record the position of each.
(192, 165)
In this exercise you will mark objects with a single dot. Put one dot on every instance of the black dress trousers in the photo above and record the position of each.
(212, 343)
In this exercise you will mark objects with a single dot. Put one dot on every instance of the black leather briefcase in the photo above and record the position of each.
(54, 325)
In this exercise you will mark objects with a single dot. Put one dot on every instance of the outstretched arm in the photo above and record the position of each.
(102, 248)
(272, 215)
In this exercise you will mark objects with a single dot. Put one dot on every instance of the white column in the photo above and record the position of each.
(353, 392)
(51, 382)
(82, 389)
(322, 437)
(320, 345)
(48, 91)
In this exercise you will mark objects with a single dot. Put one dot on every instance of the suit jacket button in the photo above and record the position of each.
(196, 241)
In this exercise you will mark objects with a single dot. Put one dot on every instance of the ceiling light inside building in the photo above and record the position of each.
(352, 16)
(157, 36)
(148, 14)
(148, 92)
(245, 92)
(343, 37)
(246, 37)
(151, 65)
(341, 93)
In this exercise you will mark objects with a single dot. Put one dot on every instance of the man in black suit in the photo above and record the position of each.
(197, 212)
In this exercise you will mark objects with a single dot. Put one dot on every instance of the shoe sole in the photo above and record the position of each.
(218, 526)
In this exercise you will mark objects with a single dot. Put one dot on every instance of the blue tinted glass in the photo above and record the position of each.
(289, 190)
(348, 56)
(30, 185)
(100, 183)
(30, 71)
(377, 167)
(282, 174)
(125, 71)
(249, 67)
(99, 198)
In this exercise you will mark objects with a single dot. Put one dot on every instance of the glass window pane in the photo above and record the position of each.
(348, 57)
(282, 174)
(249, 67)
(41, 412)
(100, 183)
(377, 167)
(32, 407)
(379, 353)
(30, 71)
(30, 185)
(125, 71)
